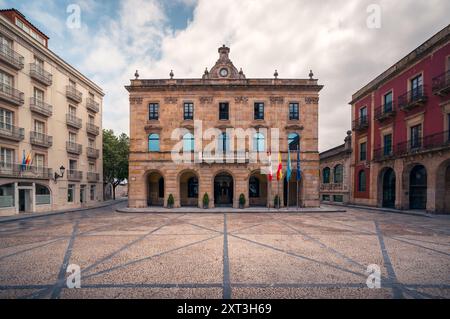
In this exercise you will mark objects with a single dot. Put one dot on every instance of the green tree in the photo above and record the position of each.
(115, 158)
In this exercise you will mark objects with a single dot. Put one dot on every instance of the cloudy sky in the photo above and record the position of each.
(331, 37)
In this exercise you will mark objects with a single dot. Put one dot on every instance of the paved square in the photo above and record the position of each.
(276, 255)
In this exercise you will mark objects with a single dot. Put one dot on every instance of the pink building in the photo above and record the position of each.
(401, 132)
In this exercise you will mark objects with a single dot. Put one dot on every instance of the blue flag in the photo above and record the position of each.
(299, 175)
(288, 167)
(24, 160)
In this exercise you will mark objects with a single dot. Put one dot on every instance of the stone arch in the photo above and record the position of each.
(154, 196)
(442, 189)
(414, 194)
(187, 195)
(262, 183)
(386, 190)
(224, 193)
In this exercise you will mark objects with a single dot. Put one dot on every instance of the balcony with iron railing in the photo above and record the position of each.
(11, 57)
(24, 171)
(92, 152)
(11, 132)
(385, 111)
(40, 139)
(73, 94)
(74, 175)
(441, 84)
(40, 107)
(414, 98)
(38, 73)
(360, 123)
(11, 95)
(74, 148)
(429, 143)
(93, 177)
(73, 121)
(92, 129)
(92, 105)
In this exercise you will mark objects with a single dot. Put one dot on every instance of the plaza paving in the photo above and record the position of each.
(223, 255)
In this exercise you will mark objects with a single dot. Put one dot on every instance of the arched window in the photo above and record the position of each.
(338, 173)
(188, 142)
(192, 187)
(326, 175)
(153, 142)
(362, 181)
(253, 186)
(223, 143)
(259, 144)
(161, 187)
(293, 141)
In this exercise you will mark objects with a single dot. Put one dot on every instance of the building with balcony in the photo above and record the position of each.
(335, 172)
(41, 115)
(202, 120)
(401, 158)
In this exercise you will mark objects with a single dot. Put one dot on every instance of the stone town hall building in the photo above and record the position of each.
(223, 99)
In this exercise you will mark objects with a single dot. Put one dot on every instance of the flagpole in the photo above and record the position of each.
(278, 194)
(296, 177)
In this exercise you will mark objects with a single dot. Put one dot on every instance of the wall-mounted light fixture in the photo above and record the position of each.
(62, 169)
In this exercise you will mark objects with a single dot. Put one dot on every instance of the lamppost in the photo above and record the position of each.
(62, 169)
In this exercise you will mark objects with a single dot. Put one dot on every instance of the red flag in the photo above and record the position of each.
(269, 154)
(280, 168)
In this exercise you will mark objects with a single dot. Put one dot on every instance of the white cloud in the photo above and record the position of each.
(329, 37)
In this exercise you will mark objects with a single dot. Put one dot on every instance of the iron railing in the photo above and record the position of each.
(24, 171)
(39, 106)
(413, 146)
(38, 73)
(10, 94)
(41, 139)
(92, 152)
(74, 175)
(412, 98)
(92, 129)
(73, 121)
(73, 94)
(11, 57)
(385, 111)
(360, 123)
(74, 148)
(11, 132)
(441, 84)
(92, 105)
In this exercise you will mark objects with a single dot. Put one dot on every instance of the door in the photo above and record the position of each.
(389, 188)
(418, 188)
(24, 200)
(223, 190)
(82, 194)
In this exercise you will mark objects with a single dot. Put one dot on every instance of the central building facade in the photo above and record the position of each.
(169, 117)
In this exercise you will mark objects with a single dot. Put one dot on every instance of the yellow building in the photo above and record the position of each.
(51, 114)
(223, 103)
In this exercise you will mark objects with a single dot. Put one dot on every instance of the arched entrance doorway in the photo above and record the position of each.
(418, 188)
(223, 190)
(292, 191)
(388, 186)
(257, 190)
(189, 189)
(155, 189)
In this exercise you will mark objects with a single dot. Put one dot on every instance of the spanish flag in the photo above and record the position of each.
(280, 168)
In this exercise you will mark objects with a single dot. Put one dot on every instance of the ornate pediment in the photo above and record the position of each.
(224, 68)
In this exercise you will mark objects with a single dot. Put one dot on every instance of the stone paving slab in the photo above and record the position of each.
(225, 255)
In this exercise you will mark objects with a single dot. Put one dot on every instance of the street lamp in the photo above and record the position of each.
(62, 169)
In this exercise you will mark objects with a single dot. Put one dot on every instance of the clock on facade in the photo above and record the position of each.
(223, 72)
